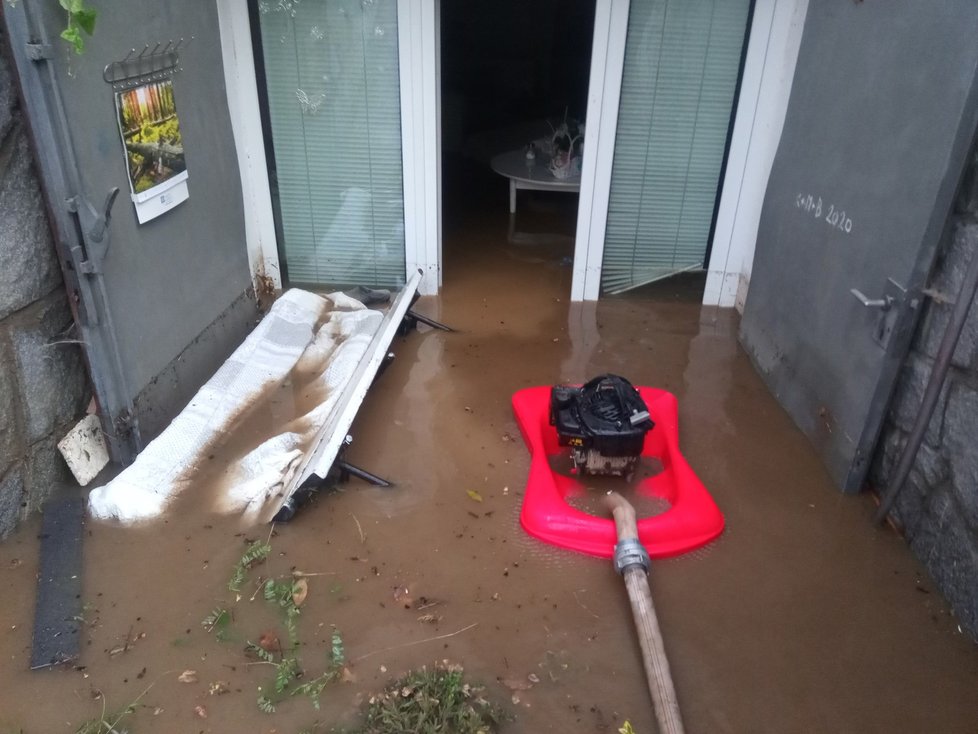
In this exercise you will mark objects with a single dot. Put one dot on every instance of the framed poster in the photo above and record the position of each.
(150, 129)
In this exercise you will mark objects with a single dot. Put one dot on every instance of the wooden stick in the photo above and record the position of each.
(661, 687)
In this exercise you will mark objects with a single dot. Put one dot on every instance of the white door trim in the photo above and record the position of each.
(249, 141)
(419, 61)
(604, 94)
(769, 67)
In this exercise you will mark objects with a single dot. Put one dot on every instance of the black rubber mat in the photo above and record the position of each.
(57, 616)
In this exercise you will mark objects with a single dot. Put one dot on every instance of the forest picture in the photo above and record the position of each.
(151, 134)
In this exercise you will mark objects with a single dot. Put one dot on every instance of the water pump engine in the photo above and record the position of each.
(604, 421)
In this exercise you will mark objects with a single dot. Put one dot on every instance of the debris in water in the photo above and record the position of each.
(402, 595)
(219, 688)
(300, 590)
(188, 676)
(269, 642)
(517, 684)
(474, 495)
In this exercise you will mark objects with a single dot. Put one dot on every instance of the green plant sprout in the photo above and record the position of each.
(256, 553)
(81, 19)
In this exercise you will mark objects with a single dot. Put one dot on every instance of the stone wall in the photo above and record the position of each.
(43, 385)
(938, 508)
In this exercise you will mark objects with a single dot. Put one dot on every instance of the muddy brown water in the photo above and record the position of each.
(801, 618)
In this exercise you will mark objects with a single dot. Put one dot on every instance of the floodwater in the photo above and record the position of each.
(801, 618)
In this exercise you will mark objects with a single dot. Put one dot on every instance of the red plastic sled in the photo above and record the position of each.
(693, 519)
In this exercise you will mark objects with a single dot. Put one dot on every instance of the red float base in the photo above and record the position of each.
(692, 520)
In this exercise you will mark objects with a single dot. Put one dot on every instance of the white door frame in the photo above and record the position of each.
(419, 52)
(249, 140)
(769, 68)
(419, 59)
(604, 94)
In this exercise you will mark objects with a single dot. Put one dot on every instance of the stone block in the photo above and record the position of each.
(961, 447)
(910, 393)
(967, 198)
(956, 253)
(934, 325)
(932, 465)
(930, 470)
(8, 94)
(910, 506)
(11, 438)
(45, 471)
(30, 266)
(11, 500)
(950, 553)
(51, 375)
(887, 454)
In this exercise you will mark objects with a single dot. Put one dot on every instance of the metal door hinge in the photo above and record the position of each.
(39, 51)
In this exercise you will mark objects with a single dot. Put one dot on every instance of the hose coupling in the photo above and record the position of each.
(630, 552)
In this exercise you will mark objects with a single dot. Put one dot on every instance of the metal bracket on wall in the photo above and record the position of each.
(39, 51)
(89, 253)
(156, 64)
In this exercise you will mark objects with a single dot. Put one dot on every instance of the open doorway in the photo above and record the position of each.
(513, 73)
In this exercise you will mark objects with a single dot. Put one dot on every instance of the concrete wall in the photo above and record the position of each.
(43, 385)
(938, 508)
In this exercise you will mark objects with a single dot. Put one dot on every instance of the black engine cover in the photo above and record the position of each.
(606, 414)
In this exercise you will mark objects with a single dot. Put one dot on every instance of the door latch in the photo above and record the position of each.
(893, 296)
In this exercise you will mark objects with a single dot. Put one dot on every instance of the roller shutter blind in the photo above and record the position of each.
(680, 73)
(331, 70)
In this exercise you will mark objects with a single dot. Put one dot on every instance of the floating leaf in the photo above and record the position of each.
(188, 676)
(474, 495)
(200, 712)
(269, 642)
(300, 590)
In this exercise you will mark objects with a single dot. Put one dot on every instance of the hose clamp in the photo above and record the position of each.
(631, 552)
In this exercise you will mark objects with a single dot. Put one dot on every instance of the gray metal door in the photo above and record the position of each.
(158, 305)
(882, 111)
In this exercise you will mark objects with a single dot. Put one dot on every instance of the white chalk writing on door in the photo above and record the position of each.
(824, 211)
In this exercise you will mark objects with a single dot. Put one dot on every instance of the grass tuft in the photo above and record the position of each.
(432, 700)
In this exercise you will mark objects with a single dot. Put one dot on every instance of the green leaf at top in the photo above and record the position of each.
(85, 18)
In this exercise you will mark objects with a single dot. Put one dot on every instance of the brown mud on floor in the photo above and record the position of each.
(801, 618)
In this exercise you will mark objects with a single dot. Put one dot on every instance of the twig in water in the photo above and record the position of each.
(359, 529)
(261, 585)
(103, 726)
(416, 642)
(581, 605)
(304, 575)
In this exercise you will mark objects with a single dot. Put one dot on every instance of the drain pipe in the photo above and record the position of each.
(942, 362)
(632, 562)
